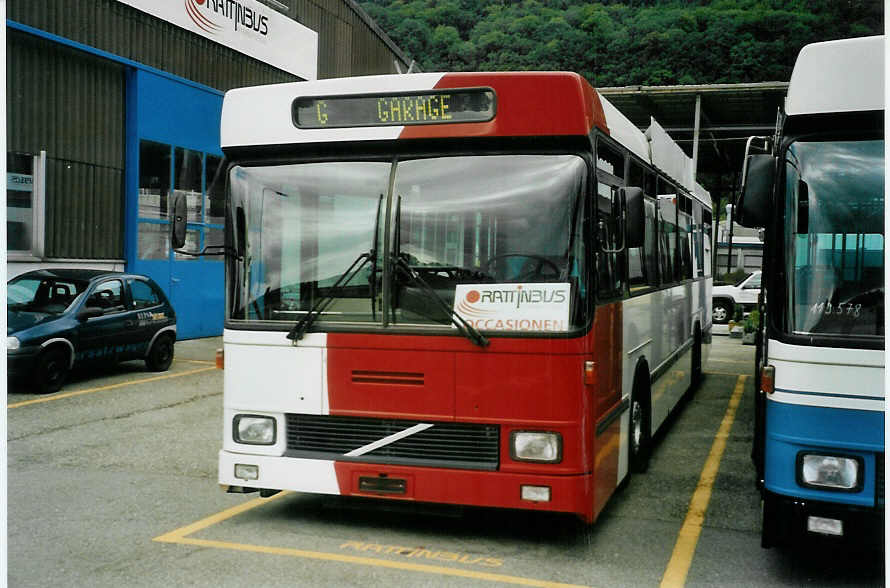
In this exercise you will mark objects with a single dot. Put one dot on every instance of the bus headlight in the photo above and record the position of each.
(253, 429)
(13, 344)
(829, 472)
(536, 446)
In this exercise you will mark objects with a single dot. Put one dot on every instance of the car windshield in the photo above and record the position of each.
(453, 222)
(739, 283)
(835, 198)
(45, 295)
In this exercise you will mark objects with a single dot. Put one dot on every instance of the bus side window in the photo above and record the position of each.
(642, 265)
(667, 231)
(697, 234)
(608, 263)
(684, 235)
(706, 234)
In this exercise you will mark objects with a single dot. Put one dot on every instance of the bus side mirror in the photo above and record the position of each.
(180, 216)
(753, 207)
(635, 230)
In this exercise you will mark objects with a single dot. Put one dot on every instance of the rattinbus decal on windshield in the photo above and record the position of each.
(514, 307)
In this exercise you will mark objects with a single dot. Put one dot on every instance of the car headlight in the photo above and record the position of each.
(829, 472)
(13, 344)
(536, 446)
(254, 429)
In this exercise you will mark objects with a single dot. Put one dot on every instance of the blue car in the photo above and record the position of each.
(61, 318)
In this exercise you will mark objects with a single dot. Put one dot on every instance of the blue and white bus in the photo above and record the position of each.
(818, 193)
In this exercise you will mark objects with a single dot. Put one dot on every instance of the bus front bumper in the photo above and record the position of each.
(787, 519)
(553, 493)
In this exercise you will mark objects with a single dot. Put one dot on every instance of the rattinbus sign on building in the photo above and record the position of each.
(113, 107)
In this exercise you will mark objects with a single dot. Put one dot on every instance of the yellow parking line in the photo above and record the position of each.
(201, 361)
(182, 532)
(181, 536)
(684, 549)
(108, 387)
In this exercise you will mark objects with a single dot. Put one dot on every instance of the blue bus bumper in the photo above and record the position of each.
(789, 505)
(786, 520)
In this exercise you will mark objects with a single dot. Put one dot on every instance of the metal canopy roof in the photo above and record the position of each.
(730, 113)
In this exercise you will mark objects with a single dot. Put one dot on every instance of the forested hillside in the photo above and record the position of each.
(618, 43)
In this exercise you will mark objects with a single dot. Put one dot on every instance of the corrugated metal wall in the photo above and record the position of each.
(72, 106)
(348, 45)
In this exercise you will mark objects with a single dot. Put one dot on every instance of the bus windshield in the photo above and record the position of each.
(318, 231)
(835, 206)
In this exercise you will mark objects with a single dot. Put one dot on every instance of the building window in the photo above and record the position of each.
(25, 204)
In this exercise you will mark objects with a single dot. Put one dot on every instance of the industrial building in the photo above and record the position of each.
(113, 106)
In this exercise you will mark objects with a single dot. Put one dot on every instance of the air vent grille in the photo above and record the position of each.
(445, 444)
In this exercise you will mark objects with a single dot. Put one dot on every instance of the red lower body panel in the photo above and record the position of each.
(570, 494)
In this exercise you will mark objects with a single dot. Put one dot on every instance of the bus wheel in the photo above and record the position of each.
(640, 435)
(52, 371)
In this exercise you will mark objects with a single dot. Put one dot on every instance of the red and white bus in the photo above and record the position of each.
(483, 289)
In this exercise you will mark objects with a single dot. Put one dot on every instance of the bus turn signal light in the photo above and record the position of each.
(220, 359)
(768, 379)
(589, 373)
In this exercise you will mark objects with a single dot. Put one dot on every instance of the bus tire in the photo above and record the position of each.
(640, 435)
(53, 366)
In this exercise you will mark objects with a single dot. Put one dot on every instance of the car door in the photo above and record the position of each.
(151, 312)
(110, 337)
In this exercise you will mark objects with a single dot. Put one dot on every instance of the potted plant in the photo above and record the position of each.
(750, 326)
(736, 321)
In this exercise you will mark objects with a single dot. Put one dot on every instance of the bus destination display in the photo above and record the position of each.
(449, 106)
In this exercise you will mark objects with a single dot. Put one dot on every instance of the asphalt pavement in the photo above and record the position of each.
(112, 482)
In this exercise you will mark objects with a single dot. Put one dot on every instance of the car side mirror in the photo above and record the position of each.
(634, 235)
(89, 312)
(180, 217)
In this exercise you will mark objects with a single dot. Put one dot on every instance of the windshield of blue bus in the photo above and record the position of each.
(452, 222)
(835, 238)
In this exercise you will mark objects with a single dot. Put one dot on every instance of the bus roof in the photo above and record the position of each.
(526, 104)
(838, 76)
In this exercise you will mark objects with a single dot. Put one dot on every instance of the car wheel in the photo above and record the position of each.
(160, 356)
(722, 311)
(52, 371)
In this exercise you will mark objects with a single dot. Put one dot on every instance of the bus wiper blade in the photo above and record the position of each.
(325, 301)
(373, 254)
(466, 329)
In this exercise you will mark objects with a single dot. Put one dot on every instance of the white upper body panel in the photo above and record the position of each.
(624, 131)
(838, 76)
(667, 155)
(261, 115)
